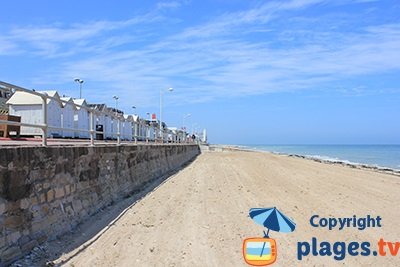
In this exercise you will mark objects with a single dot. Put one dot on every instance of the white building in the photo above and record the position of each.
(139, 128)
(101, 120)
(67, 117)
(127, 128)
(112, 123)
(81, 119)
(29, 107)
(112, 127)
(153, 130)
(176, 135)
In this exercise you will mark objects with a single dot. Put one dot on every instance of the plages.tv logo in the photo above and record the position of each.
(262, 251)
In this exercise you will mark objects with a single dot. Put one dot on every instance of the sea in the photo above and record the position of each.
(383, 156)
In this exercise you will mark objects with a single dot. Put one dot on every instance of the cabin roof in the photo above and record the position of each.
(81, 102)
(24, 98)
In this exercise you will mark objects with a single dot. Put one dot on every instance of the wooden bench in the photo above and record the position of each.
(6, 129)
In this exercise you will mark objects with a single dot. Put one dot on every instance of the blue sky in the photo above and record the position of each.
(251, 72)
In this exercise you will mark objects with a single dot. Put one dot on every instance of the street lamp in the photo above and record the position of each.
(161, 125)
(80, 81)
(183, 120)
(148, 114)
(116, 115)
(135, 131)
(116, 104)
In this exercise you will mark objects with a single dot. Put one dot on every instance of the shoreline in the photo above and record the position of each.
(345, 163)
(189, 220)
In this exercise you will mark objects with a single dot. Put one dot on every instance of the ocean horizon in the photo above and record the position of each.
(384, 156)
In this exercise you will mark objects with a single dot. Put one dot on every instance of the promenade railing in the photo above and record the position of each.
(152, 133)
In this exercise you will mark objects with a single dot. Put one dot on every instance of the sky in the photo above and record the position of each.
(250, 72)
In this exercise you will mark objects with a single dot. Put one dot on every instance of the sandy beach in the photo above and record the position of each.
(199, 215)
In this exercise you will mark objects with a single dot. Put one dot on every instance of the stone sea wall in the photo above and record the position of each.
(45, 192)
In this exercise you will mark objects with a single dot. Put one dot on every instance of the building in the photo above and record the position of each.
(127, 128)
(29, 108)
(112, 122)
(139, 128)
(81, 119)
(67, 117)
(5, 94)
(101, 121)
(70, 118)
(176, 135)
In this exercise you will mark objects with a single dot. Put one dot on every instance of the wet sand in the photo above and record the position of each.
(199, 216)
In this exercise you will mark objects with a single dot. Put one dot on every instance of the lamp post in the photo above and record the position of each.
(161, 125)
(134, 110)
(80, 81)
(116, 114)
(116, 104)
(147, 128)
(135, 123)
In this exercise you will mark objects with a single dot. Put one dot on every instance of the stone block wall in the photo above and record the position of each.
(46, 191)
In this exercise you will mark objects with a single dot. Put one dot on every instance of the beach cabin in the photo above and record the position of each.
(153, 130)
(112, 123)
(170, 135)
(145, 129)
(127, 128)
(164, 134)
(177, 135)
(181, 136)
(101, 120)
(81, 119)
(109, 126)
(139, 128)
(29, 108)
(112, 129)
(67, 117)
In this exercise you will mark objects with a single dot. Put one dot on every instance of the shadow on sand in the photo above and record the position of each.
(90, 230)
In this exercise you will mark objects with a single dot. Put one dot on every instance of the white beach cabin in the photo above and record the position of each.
(29, 107)
(67, 117)
(139, 128)
(153, 130)
(101, 121)
(109, 127)
(112, 122)
(127, 128)
(81, 119)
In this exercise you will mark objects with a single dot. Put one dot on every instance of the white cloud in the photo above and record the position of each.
(65, 40)
(7, 47)
(256, 51)
(169, 5)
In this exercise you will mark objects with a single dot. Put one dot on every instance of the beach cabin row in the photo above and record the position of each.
(107, 123)
(64, 119)
(143, 130)
(70, 118)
